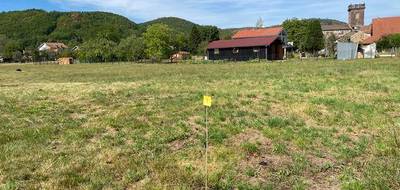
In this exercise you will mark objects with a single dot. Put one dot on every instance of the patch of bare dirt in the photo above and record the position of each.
(194, 129)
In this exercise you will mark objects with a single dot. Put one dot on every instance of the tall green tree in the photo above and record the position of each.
(181, 42)
(3, 41)
(158, 40)
(209, 33)
(314, 38)
(100, 50)
(295, 29)
(12, 49)
(131, 49)
(306, 34)
(195, 39)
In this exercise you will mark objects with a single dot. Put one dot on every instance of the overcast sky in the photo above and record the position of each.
(222, 13)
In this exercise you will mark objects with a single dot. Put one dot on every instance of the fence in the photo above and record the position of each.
(393, 52)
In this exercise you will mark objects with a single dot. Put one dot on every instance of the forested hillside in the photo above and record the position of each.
(31, 27)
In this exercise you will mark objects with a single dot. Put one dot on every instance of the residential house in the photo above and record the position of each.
(181, 55)
(379, 28)
(382, 27)
(248, 44)
(52, 47)
(338, 30)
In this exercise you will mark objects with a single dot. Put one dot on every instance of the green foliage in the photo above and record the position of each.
(3, 41)
(30, 28)
(158, 40)
(314, 38)
(131, 49)
(295, 30)
(306, 34)
(100, 50)
(251, 148)
(330, 44)
(209, 33)
(12, 49)
(388, 42)
(77, 27)
(195, 39)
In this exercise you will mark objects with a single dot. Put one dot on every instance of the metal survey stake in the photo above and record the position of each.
(207, 102)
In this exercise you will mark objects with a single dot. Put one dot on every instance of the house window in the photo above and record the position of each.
(216, 51)
(256, 50)
(235, 50)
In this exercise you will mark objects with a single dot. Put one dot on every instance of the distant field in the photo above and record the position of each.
(292, 125)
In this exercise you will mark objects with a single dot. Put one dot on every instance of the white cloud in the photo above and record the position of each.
(224, 13)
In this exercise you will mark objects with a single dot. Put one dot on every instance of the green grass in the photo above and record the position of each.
(313, 124)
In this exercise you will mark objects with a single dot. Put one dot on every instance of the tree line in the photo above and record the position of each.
(158, 42)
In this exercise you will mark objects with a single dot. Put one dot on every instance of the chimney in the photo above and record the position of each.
(356, 15)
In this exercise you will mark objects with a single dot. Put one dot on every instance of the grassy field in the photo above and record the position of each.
(292, 125)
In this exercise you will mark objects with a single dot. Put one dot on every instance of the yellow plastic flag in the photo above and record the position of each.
(207, 101)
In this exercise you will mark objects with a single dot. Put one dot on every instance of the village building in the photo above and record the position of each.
(249, 44)
(52, 47)
(65, 61)
(179, 56)
(356, 15)
(338, 30)
(382, 27)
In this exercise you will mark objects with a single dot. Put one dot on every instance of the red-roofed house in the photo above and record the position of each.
(248, 44)
(263, 32)
(382, 27)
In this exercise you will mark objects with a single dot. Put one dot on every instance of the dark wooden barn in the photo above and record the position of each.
(250, 44)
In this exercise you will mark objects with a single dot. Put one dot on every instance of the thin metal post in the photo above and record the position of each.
(206, 149)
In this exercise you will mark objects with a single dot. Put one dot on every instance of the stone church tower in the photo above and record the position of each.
(356, 15)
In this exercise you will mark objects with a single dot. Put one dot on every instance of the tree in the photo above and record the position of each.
(306, 34)
(3, 41)
(260, 23)
(100, 50)
(12, 49)
(181, 42)
(388, 42)
(314, 38)
(209, 33)
(131, 49)
(195, 39)
(158, 41)
(295, 29)
(330, 44)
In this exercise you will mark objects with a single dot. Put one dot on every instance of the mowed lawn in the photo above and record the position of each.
(293, 125)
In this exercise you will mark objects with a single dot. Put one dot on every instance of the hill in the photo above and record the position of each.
(31, 27)
(327, 21)
(178, 24)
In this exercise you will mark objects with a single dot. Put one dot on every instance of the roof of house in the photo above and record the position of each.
(57, 45)
(346, 37)
(243, 42)
(256, 33)
(382, 27)
(335, 27)
(366, 29)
